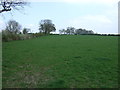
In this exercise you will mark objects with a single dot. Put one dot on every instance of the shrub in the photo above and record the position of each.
(7, 36)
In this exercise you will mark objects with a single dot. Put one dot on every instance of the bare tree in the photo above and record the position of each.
(13, 27)
(8, 5)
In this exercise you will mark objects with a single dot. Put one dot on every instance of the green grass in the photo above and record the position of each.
(61, 61)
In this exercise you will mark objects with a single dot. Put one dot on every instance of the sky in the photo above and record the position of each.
(101, 16)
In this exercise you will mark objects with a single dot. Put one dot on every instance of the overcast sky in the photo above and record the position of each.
(101, 16)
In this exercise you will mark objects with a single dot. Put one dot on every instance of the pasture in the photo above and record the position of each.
(61, 61)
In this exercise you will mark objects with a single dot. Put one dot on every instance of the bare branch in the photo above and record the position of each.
(3, 10)
(8, 5)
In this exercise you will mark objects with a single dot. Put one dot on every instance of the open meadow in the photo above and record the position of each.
(61, 61)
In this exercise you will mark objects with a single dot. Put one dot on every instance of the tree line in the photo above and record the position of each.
(73, 31)
(14, 31)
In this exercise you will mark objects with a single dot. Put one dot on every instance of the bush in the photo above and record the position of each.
(25, 36)
(38, 34)
(7, 36)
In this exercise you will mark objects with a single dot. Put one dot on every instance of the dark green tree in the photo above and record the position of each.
(46, 26)
(26, 30)
(83, 31)
(70, 30)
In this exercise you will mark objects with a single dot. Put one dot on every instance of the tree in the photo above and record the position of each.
(78, 31)
(83, 31)
(62, 31)
(70, 30)
(46, 26)
(8, 5)
(90, 32)
(26, 30)
(13, 27)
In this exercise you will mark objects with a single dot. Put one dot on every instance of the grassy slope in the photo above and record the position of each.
(61, 61)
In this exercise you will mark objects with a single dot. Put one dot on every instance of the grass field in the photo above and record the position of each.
(61, 61)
